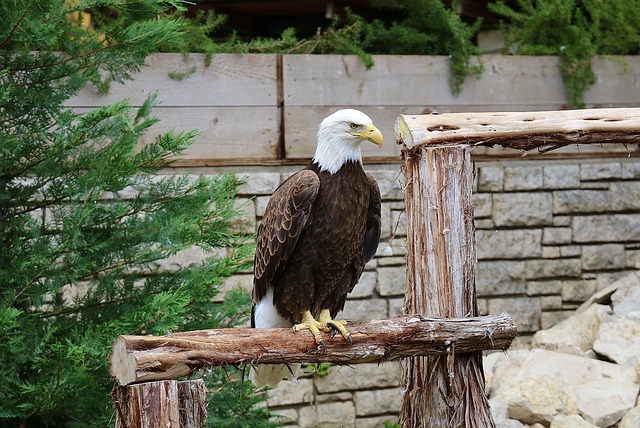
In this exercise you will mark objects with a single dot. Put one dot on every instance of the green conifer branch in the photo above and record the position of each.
(85, 222)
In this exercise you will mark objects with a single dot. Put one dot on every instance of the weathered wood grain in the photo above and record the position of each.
(167, 403)
(441, 392)
(541, 130)
(143, 358)
(405, 80)
(293, 95)
(227, 135)
(230, 80)
(509, 82)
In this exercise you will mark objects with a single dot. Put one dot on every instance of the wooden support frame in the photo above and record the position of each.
(446, 392)
(442, 391)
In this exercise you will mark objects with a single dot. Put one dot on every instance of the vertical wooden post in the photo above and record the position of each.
(442, 391)
(161, 404)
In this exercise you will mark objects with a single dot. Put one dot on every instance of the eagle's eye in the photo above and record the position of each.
(353, 125)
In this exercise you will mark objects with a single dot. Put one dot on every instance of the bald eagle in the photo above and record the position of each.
(319, 229)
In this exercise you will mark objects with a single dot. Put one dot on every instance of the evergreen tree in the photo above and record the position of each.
(85, 221)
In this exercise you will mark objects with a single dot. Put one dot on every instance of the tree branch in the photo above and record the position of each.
(145, 358)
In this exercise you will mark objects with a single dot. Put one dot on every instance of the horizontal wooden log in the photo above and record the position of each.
(541, 130)
(145, 358)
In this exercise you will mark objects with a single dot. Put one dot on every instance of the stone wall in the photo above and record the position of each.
(549, 234)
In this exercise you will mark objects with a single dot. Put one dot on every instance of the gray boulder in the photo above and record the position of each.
(576, 334)
(618, 340)
(571, 421)
(599, 391)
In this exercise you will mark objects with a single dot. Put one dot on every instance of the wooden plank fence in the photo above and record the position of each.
(233, 102)
(265, 108)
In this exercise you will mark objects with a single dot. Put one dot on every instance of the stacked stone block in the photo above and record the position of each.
(551, 233)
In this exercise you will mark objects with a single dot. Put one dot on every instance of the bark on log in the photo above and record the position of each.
(442, 391)
(166, 403)
(542, 130)
(144, 358)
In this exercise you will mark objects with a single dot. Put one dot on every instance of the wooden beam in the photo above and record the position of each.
(541, 130)
(442, 391)
(144, 358)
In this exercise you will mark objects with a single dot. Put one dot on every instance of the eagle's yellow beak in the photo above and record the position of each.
(371, 134)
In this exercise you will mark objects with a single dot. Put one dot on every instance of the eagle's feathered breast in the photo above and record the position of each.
(316, 235)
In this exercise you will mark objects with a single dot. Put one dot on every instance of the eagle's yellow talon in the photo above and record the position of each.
(310, 323)
(324, 323)
(335, 325)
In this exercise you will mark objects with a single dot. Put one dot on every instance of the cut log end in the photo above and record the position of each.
(122, 364)
(403, 133)
(128, 366)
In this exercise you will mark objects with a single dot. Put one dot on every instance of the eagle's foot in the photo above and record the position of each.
(336, 326)
(324, 323)
(310, 323)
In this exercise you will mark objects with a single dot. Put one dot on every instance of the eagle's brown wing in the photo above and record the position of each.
(372, 234)
(287, 214)
(337, 300)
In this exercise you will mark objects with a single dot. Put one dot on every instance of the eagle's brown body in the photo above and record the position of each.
(318, 231)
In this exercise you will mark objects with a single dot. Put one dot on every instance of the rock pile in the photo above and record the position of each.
(583, 372)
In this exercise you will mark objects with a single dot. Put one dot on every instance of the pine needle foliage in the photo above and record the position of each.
(87, 223)
(575, 31)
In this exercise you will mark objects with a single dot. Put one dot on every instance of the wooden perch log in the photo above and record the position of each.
(145, 358)
(542, 130)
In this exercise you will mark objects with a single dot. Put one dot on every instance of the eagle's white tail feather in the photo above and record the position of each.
(265, 315)
(272, 374)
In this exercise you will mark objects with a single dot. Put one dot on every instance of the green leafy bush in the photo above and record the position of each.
(428, 27)
(423, 27)
(574, 30)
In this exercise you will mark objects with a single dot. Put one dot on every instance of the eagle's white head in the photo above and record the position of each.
(339, 138)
